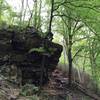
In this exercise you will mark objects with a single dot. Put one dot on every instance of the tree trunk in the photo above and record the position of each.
(70, 60)
(35, 15)
(50, 35)
(69, 50)
(70, 66)
(51, 16)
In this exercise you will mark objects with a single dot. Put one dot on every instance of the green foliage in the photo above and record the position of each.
(77, 18)
(29, 90)
(43, 50)
(80, 19)
(40, 49)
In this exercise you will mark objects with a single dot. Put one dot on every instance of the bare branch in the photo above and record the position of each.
(84, 5)
(64, 21)
(75, 25)
(89, 6)
(59, 4)
(64, 15)
(81, 56)
(80, 39)
(93, 31)
(80, 49)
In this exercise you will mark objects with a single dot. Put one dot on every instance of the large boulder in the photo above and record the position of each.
(26, 49)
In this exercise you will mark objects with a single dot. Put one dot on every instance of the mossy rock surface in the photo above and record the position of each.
(26, 49)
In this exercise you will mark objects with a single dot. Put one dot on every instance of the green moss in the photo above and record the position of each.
(43, 50)
(40, 49)
(28, 90)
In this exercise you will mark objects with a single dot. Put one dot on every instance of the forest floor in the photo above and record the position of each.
(56, 89)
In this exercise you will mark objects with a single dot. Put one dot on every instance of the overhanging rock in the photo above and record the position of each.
(25, 50)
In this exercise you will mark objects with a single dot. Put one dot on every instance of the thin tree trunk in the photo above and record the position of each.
(69, 51)
(93, 65)
(21, 13)
(1, 10)
(51, 16)
(35, 16)
(70, 66)
(24, 13)
(50, 35)
(39, 15)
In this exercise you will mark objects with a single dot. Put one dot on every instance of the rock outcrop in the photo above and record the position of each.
(30, 56)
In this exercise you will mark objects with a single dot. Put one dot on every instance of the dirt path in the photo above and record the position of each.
(57, 89)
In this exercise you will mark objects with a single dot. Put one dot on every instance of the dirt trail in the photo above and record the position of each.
(57, 89)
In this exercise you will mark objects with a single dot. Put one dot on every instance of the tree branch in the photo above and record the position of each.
(80, 49)
(89, 6)
(93, 31)
(64, 15)
(80, 39)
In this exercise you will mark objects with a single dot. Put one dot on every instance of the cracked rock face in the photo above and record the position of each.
(15, 55)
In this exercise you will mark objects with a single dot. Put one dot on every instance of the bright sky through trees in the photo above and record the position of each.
(16, 4)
